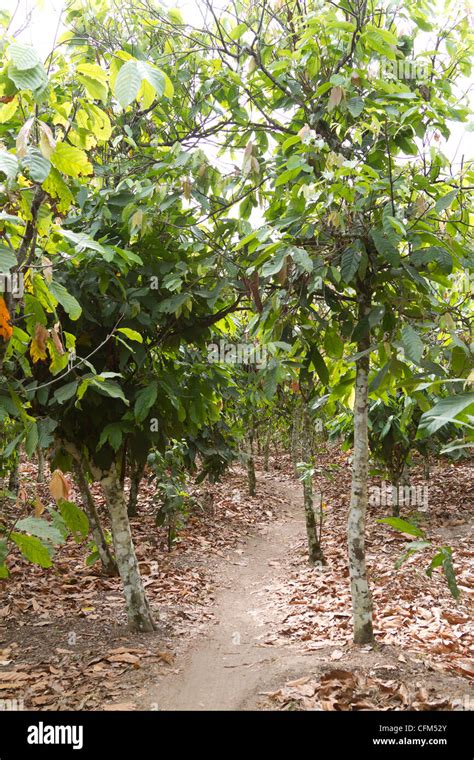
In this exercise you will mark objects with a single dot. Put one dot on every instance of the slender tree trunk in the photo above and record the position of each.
(266, 452)
(295, 437)
(360, 591)
(395, 497)
(109, 565)
(315, 552)
(41, 463)
(138, 610)
(14, 480)
(252, 481)
(426, 466)
(136, 474)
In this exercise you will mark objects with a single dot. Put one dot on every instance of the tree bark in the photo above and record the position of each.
(360, 591)
(41, 463)
(266, 452)
(109, 565)
(252, 480)
(295, 437)
(315, 552)
(13, 480)
(136, 475)
(138, 610)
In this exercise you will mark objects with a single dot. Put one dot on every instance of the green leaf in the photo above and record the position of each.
(319, 365)
(131, 334)
(350, 261)
(70, 160)
(112, 433)
(160, 82)
(127, 83)
(75, 519)
(8, 164)
(355, 106)
(23, 56)
(445, 201)
(32, 549)
(7, 259)
(39, 527)
(66, 392)
(70, 305)
(385, 247)
(37, 165)
(273, 266)
(28, 79)
(403, 526)
(412, 344)
(108, 388)
(302, 259)
(444, 559)
(445, 411)
(31, 440)
(3, 550)
(145, 400)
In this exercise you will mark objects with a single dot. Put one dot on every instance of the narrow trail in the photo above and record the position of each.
(229, 667)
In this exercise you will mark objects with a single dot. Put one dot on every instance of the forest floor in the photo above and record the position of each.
(244, 621)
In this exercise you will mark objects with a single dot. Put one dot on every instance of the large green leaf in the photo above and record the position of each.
(39, 527)
(444, 411)
(37, 165)
(8, 164)
(350, 261)
(7, 259)
(385, 247)
(75, 519)
(70, 160)
(403, 526)
(145, 400)
(32, 549)
(127, 83)
(23, 56)
(28, 79)
(70, 304)
(412, 344)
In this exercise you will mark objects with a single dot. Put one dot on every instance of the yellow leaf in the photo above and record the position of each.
(8, 110)
(36, 352)
(70, 160)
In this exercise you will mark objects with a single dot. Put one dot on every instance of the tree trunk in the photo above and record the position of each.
(360, 591)
(395, 497)
(13, 480)
(109, 565)
(295, 437)
(41, 463)
(252, 481)
(266, 452)
(136, 475)
(315, 552)
(426, 466)
(138, 610)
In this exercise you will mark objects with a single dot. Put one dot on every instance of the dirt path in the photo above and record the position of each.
(237, 657)
(227, 669)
